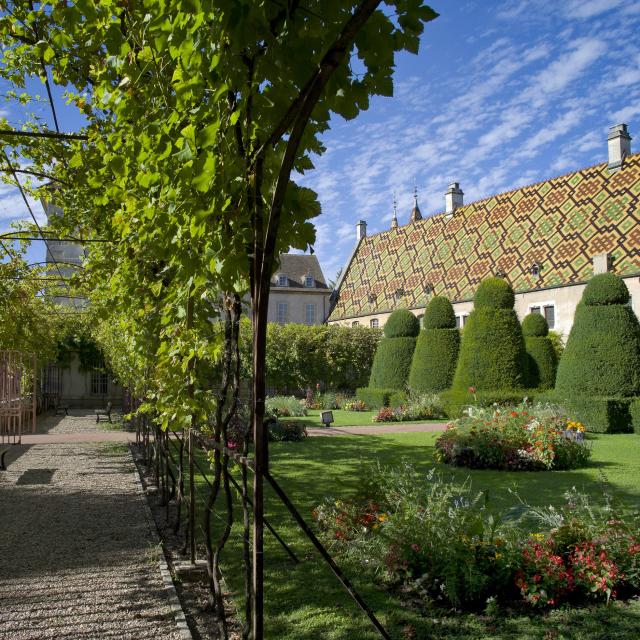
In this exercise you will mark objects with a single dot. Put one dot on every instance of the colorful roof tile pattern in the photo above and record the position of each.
(558, 225)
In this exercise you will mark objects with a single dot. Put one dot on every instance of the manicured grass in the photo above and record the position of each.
(348, 419)
(305, 601)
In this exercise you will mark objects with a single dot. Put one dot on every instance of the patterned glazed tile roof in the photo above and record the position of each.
(558, 224)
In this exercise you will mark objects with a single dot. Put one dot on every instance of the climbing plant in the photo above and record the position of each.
(194, 115)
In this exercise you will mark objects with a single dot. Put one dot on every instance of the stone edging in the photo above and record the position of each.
(167, 581)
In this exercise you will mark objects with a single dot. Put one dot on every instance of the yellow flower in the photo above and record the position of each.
(382, 517)
(538, 536)
(498, 556)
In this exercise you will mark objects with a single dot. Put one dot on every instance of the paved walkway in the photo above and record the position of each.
(77, 558)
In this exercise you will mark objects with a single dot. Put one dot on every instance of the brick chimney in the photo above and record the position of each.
(453, 198)
(619, 144)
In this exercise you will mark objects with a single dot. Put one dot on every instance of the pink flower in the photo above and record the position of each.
(472, 389)
(415, 547)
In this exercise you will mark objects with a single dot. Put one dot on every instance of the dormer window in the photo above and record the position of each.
(282, 281)
(308, 281)
(535, 269)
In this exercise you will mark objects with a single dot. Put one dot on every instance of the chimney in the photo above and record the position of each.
(602, 263)
(453, 198)
(619, 143)
(361, 230)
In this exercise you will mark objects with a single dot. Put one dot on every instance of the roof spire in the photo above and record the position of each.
(415, 214)
(394, 220)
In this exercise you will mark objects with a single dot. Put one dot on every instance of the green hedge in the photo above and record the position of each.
(457, 400)
(634, 411)
(299, 356)
(601, 415)
(492, 353)
(401, 324)
(542, 364)
(434, 360)
(439, 314)
(602, 356)
(376, 398)
(392, 363)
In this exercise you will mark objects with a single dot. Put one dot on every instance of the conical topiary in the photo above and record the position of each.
(541, 354)
(602, 356)
(392, 362)
(436, 352)
(492, 353)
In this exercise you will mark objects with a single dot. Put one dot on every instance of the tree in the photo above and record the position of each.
(541, 352)
(436, 354)
(392, 362)
(602, 356)
(492, 353)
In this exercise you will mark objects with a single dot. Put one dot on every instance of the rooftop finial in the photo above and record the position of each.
(415, 214)
(394, 220)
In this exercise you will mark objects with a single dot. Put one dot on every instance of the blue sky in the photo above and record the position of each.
(503, 93)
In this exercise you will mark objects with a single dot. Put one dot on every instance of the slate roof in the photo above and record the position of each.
(296, 267)
(558, 224)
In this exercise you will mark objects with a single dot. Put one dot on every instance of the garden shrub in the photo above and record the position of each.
(286, 431)
(436, 353)
(437, 541)
(602, 415)
(284, 406)
(602, 355)
(492, 352)
(541, 353)
(401, 324)
(392, 362)
(515, 439)
(375, 398)
(457, 401)
(417, 407)
(634, 412)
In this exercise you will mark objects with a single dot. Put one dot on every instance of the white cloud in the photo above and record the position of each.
(590, 8)
(626, 114)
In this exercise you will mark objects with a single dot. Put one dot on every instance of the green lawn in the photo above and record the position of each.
(348, 419)
(305, 601)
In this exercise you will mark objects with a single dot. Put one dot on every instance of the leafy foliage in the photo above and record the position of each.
(439, 314)
(602, 355)
(436, 353)
(401, 324)
(492, 353)
(392, 363)
(535, 325)
(375, 398)
(494, 292)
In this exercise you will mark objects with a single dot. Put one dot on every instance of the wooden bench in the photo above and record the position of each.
(104, 413)
(60, 408)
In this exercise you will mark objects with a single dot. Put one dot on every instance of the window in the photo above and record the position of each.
(308, 281)
(550, 315)
(310, 314)
(99, 382)
(548, 310)
(283, 310)
(374, 323)
(355, 323)
(461, 318)
(282, 281)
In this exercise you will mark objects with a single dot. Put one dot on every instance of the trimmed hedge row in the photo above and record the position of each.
(602, 415)
(376, 398)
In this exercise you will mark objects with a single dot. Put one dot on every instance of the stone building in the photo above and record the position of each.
(547, 239)
(90, 386)
(299, 292)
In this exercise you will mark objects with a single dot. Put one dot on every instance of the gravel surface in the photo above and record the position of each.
(76, 554)
(78, 421)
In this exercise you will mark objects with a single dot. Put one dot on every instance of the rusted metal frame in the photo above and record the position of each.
(326, 556)
(18, 403)
(42, 134)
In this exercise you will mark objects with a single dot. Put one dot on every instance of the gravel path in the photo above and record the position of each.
(76, 554)
(78, 421)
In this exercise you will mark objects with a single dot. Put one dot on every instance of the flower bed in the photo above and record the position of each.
(422, 407)
(437, 541)
(515, 440)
